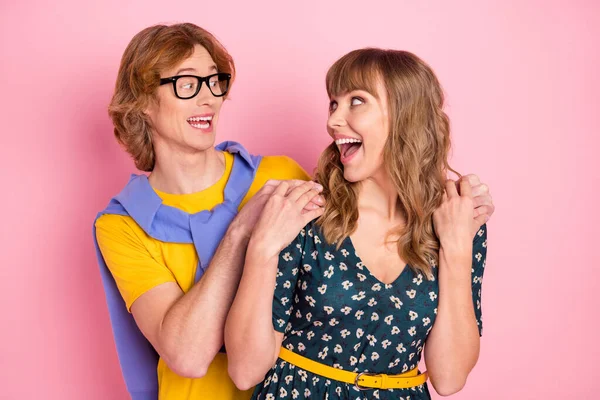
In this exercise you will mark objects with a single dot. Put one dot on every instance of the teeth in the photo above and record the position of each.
(192, 119)
(344, 141)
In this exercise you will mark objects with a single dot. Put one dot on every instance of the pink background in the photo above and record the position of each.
(522, 83)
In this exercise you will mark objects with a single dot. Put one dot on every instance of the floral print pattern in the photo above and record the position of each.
(334, 311)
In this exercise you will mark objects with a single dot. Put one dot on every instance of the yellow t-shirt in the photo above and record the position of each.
(139, 263)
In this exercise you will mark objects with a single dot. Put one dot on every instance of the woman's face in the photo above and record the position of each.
(359, 124)
(186, 126)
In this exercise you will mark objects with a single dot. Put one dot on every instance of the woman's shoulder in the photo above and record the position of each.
(480, 239)
(313, 233)
(316, 241)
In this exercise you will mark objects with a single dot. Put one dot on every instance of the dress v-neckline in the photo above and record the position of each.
(365, 266)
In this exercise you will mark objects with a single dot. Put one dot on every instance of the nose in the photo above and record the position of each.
(336, 120)
(205, 97)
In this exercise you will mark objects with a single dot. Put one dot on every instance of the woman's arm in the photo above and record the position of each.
(252, 342)
(250, 337)
(452, 347)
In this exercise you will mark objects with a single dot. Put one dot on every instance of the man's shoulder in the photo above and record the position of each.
(280, 167)
(120, 229)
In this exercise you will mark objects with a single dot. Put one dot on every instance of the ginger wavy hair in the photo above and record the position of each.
(415, 155)
(151, 51)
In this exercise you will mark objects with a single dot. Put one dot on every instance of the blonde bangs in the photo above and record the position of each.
(355, 71)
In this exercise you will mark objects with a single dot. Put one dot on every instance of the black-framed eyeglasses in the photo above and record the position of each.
(188, 86)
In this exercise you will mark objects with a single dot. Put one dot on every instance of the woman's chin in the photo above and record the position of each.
(352, 175)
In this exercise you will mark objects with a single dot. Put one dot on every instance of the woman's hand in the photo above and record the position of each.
(247, 218)
(285, 213)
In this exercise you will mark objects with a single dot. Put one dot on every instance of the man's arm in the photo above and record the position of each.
(187, 329)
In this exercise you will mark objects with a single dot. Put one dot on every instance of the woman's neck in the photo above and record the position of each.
(185, 173)
(378, 194)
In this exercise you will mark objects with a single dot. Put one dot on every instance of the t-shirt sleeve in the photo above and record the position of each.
(283, 167)
(288, 271)
(128, 258)
(477, 269)
(275, 167)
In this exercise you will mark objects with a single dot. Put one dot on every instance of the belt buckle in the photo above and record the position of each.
(357, 385)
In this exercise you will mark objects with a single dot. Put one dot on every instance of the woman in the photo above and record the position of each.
(393, 265)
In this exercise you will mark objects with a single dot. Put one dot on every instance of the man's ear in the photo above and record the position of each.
(148, 110)
(151, 107)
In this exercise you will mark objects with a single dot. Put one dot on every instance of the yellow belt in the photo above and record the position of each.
(363, 380)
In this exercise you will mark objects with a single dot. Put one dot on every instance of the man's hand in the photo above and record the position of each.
(482, 199)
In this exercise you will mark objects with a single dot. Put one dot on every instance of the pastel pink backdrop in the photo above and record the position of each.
(522, 84)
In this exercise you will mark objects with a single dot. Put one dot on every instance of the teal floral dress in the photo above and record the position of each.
(334, 311)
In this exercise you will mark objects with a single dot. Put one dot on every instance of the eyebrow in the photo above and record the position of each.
(212, 68)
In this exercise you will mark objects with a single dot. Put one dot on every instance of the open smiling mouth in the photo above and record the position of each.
(204, 122)
(348, 147)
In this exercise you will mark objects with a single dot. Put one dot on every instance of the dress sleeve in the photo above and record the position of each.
(477, 269)
(288, 271)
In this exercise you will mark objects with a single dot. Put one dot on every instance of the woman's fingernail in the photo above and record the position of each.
(318, 186)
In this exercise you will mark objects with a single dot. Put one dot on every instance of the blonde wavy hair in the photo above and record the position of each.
(415, 155)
